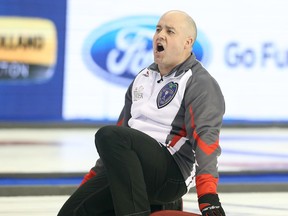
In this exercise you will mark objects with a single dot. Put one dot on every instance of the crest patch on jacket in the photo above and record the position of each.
(166, 94)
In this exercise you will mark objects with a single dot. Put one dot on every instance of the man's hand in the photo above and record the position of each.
(210, 206)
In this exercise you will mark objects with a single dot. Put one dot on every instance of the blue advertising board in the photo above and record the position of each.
(71, 61)
(32, 35)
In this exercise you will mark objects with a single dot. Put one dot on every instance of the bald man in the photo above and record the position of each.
(167, 136)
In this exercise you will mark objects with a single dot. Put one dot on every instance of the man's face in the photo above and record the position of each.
(169, 41)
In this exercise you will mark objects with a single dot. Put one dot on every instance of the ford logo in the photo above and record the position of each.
(118, 50)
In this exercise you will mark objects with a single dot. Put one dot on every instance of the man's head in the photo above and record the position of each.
(173, 40)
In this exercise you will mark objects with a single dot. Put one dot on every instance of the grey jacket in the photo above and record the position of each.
(183, 111)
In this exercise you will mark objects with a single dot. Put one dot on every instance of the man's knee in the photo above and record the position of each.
(102, 136)
(107, 136)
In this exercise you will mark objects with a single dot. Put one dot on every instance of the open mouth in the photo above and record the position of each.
(160, 48)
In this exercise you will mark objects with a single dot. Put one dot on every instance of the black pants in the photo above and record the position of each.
(139, 172)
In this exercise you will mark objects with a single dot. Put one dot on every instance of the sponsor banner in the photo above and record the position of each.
(28, 40)
(31, 59)
(109, 43)
(242, 47)
(28, 49)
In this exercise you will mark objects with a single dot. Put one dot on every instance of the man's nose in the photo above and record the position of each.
(161, 35)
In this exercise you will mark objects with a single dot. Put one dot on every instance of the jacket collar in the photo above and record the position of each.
(179, 69)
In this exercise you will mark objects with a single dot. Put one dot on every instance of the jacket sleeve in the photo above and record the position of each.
(125, 114)
(205, 108)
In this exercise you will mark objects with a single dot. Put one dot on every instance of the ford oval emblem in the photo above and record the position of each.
(118, 50)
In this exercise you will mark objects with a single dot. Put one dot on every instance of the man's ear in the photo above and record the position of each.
(189, 42)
